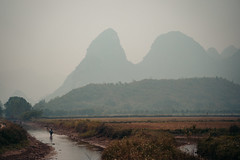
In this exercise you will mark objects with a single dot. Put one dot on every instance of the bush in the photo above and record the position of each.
(220, 148)
(146, 146)
(88, 128)
(234, 129)
(114, 133)
(91, 128)
(12, 135)
(31, 114)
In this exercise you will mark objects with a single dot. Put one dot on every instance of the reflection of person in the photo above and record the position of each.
(50, 131)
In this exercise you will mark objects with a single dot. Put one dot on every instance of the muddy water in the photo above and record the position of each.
(189, 148)
(65, 148)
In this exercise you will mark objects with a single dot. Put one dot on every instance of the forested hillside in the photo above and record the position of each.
(194, 95)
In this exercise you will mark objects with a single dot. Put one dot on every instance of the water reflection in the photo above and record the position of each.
(50, 138)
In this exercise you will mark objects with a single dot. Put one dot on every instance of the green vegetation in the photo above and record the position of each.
(12, 136)
(183, 96)
(221, 145)
(220, 148)
(16, 106)
(145, 145)
(19, 108)
(31, 114)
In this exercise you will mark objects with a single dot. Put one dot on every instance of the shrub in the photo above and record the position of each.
(91, 128)
(31, 114)
(234, 129)
(88, 128)
(114, 133)
(220, 148)
(146, 146)
(12, 135)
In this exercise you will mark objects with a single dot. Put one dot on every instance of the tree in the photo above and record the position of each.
(31, 114)
(16, 107)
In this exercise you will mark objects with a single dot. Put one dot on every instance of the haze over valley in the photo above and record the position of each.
(42, 42)
(172, 56)
(120, 79)
(44, 57)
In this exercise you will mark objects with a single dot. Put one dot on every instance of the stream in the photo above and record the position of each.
(189, 149)
(64, 147)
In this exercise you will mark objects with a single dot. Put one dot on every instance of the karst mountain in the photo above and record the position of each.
(172, 55)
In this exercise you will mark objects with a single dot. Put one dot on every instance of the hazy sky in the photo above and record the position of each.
(42, 41)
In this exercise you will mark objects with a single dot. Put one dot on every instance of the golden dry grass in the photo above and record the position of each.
(170, 123)
(174, 125)
(165, 119)
(166, 123)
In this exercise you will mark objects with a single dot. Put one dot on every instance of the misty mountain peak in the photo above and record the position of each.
(105, 61)
(175, 45)
(173, 38)
(213, 53)
(229, 51)
(107, 44)
(173, 54)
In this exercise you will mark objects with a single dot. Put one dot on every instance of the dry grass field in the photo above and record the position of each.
(170, 123)
(174, 125)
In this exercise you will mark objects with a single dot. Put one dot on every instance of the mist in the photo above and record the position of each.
(43, 41)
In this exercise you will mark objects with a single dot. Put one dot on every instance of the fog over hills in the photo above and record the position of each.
(173, 55)
(213, 53)
(230, 67)
(20, 93)
(105, 61)
(5, 93)
(229, 51)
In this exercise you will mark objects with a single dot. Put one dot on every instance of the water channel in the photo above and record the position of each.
(189, 149)
(64, 147)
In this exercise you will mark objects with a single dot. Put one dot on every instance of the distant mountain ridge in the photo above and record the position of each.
(172, 55)
(190, 96)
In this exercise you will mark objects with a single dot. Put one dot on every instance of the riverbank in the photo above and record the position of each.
(99, 143)
(76, 130)
(34, 150)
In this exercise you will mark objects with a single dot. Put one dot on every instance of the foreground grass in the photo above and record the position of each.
(130, 142)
